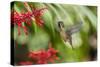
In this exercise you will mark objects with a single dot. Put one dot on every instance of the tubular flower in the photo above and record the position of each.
(37, 15)
(43, 57)
(19, 19)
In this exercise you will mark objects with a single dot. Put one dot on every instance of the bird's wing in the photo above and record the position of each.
(74, 28)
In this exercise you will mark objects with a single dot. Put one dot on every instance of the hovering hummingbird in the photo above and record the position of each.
(67, 34)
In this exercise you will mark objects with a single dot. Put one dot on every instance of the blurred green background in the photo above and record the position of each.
(84, 41)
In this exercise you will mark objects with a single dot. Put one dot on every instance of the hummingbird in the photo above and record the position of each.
(66, 34)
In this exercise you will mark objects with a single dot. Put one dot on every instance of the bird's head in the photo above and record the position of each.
(61, 25)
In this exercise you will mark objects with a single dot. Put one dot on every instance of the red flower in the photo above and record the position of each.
(52, 51)
(25, 63)
(33, 55)
(43, 57)
(41, 62)
(37, 15)
(18, 19)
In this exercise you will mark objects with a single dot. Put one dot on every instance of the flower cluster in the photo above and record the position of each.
(41, 57)
(25, 17)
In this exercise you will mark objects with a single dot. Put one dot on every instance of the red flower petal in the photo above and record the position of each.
(25, 63)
